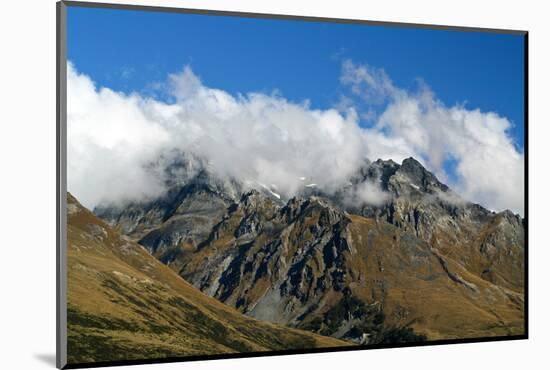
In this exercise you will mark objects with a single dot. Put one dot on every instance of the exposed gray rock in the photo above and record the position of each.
(299, 261)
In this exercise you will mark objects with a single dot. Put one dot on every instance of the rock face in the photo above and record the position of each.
(422, 205)
(415, 262)
(123, 304)
(186, 213)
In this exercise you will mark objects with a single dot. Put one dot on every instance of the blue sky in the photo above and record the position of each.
(450, 127)
(129, 50)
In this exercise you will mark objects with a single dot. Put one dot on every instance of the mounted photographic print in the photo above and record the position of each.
(234, 184)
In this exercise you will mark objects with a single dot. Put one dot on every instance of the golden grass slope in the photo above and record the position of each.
(428, 287)
(124, 304)
(428, 290)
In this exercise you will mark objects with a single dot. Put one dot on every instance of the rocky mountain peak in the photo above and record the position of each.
(513, 219)
(412, 164)
(256, 203)
(380, 170)
(399, 179)
(411, 173)
(292, 208)
(328, 261)
(250, 197)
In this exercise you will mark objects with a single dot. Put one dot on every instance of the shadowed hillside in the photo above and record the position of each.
(123, 304)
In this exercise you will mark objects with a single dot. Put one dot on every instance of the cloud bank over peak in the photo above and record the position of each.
(488, 167)
(113, 138)
(119, 144)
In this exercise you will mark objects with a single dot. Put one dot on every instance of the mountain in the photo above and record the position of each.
(393, 256)
(124, 304)
(195, 202)
(488, 244)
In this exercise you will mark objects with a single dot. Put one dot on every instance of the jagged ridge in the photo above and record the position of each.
(123, 304)
(347, 269)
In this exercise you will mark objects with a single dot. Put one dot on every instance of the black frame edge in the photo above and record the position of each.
(526, 178)
(61, 185)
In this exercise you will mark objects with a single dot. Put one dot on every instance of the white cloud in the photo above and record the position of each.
(118, 144)
(114, 138)
(489, 167)
(370, 193)
(110, 140)
(371, 84)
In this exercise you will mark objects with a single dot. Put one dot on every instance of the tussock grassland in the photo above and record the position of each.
(123, 304)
